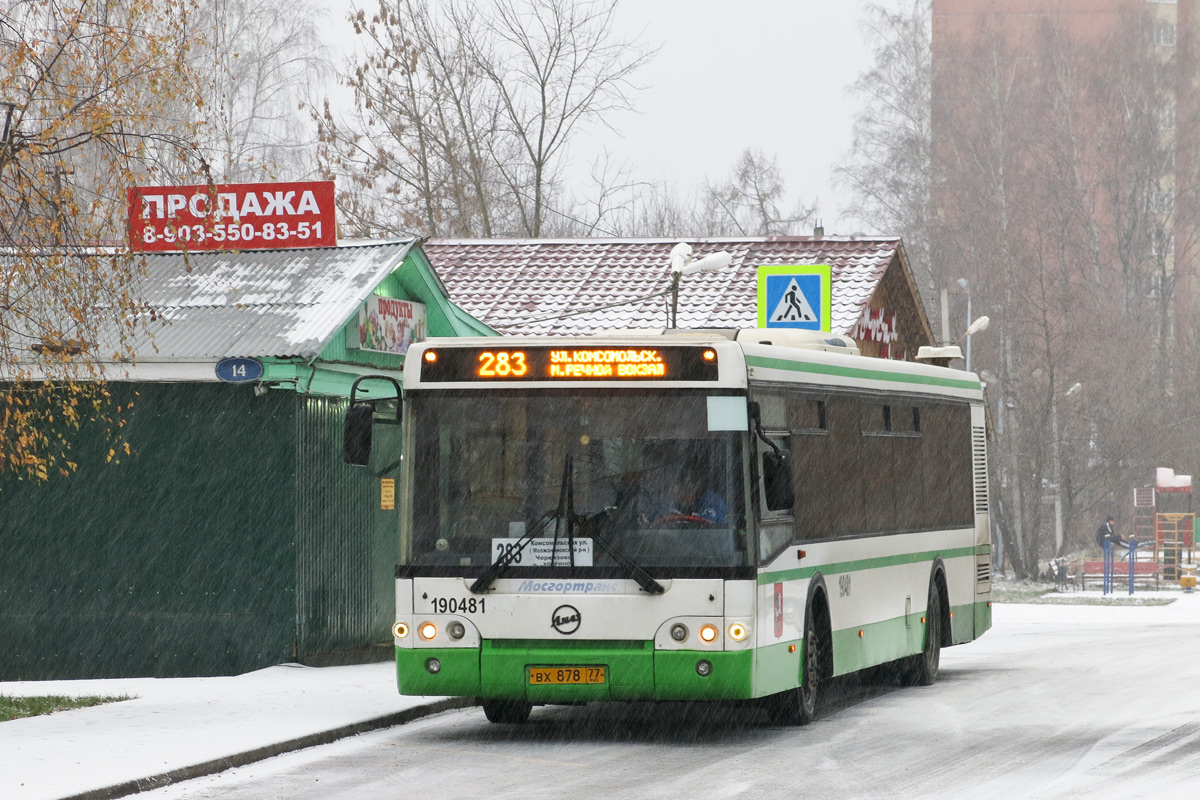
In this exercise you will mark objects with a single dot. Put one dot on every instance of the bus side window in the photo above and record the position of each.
(776, 498)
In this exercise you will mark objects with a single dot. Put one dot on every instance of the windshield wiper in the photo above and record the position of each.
(505, 559)
(566, 510)
(567, 502)
(485, 579)
(566, 513)
(636, 571)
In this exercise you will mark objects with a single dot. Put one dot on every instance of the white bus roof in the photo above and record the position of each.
(743, 360)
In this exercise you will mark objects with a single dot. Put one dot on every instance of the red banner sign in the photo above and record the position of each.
(245, 216)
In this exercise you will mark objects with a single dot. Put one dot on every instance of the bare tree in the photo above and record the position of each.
(258, 62)
(1050, 165)
(555, 66)
(87, 92)
(609, 203)
(748, 202)
(889, 168)
(465, 112)
(413, 150)
(1149, 198)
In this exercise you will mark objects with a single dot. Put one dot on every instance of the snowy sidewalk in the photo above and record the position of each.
(180, 728)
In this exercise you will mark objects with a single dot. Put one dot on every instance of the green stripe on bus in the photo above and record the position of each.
(866, 563)
(857, 372)
(890, 639)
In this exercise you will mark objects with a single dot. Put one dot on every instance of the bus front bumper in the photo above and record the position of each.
(634, 671)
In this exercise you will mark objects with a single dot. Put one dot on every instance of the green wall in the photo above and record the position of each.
(183, 558)
(346, 544)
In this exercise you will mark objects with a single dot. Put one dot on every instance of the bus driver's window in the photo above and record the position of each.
(694, 496)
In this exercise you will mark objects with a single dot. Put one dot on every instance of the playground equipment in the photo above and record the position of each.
(1187, 580)
(1164, 528)
(1175, 524)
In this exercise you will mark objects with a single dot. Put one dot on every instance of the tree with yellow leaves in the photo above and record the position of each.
(91, 96)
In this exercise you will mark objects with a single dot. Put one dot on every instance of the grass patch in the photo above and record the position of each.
(1028, 592)
(17, 707)
(1019, 591)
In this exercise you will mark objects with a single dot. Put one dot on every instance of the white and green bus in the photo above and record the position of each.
(671, 515)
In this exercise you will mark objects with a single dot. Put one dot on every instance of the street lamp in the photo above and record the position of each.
(1058, 518)
(961, 285)
(965, 286)
(978, 325)
(684, 263)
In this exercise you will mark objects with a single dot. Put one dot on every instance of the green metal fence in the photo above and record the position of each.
(231, 539)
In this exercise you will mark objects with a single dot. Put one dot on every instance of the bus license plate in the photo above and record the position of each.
(558, 675)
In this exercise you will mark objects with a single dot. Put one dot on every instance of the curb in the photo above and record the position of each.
(269, 751)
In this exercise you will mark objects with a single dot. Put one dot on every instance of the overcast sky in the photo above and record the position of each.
(768, 74)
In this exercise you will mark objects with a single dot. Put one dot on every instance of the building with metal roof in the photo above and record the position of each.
(289, 308)
(581, 286)
(232, 536)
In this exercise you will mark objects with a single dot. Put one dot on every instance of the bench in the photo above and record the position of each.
(1143, 572)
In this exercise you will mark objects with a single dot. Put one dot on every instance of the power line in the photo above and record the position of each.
(564, 315)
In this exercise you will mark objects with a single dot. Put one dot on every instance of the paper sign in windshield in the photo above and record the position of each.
(542, 553)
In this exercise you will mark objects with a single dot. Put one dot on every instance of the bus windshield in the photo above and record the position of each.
(578, 475)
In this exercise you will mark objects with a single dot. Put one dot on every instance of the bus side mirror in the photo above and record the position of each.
(360, 419)
(356, 435)
(777, 480)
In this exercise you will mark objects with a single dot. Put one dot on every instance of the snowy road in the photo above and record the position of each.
(1077, 701)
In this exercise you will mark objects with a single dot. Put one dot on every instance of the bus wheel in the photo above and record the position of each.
(799, 706)
(923, 667)
(507, 711)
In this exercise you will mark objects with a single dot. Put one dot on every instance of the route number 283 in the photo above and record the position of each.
(502, 364)
(504, 548)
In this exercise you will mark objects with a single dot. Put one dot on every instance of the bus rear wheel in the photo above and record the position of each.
(922, 669)
(511, 712)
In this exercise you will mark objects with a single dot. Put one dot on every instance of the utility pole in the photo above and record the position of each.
(1015, 465)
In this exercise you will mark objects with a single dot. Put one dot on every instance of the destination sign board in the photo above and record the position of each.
(503, 364)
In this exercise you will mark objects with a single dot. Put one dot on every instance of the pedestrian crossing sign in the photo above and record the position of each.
(795, 296)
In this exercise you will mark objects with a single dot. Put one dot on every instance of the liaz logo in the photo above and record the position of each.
(565, 620)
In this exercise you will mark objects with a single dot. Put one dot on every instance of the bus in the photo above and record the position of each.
(724, 515)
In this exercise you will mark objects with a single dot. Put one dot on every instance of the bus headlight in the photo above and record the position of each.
(400, 630)
(427, 630)
(737, 631)
(679, 632)
(456, 630)
(708, 633)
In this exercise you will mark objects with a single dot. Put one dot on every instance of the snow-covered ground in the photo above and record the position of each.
(176, 723)
(1054, 695)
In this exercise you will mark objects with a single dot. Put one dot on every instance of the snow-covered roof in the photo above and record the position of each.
(260, 303)
(256, 304)
(539, 286)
